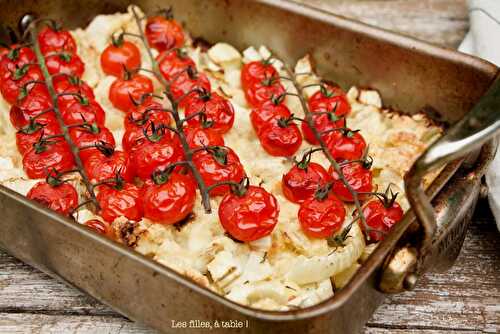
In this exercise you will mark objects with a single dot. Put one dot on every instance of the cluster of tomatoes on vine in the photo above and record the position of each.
(320, 193)
(40, 138)
(163, 147)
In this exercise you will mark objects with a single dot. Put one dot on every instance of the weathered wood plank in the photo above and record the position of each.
(17, 323)
(444, 22)
(23, 288)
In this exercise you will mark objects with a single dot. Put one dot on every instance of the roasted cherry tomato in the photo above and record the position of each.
(249, 216)
(269, 110)
(65, 63)
(26, 137)
(330, 99)
(218, 111)
(303, 180)
(88, 137)
(124, 93)
(61, 198)
(35, 102)
(324, 123)
(153, 156)
(164, 33)
(80, 111)
(359, 178)
(199, 137)
(262, 91)
(187, 82)
(133, 138)
(174, 62)
(149, 111)
(121, 199)
(119, 55)
(20, 120)
(170, 200)
(56, 40)
(136, 136)
(256, 71)
(102, 166)
(345, 145)
(41, 159)
(12, 85)
(381, 217)
(280, 137)
(15, 58)
(3, 52)
(321, 217)
(100, 227)
(219, 164)
(73, 88)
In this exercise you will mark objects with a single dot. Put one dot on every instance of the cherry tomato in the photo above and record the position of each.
(219, 112)
(262, 91)
(65, 63)
(171, 201)
(256, 71)
(164, 33)
(66, 84)
(56, 40)
(119, 200)
(36, 101)
(358, 177)
(323, 123)
(100, 227)
(149, 111)
(219, 165)
(119, 55)
(100, 166)
(11, 85)
(78, 111)
(39, 161)
(61, 198)
(3, 52)
(30, 134)
(84, 138)
(280, 138)
(14, 59)
(187, 82)
(20, 120)
(154, 156)
(345, 145)
(251, 216)
(268, 111)
(135, 137)
(381, 217)
(302, 182)
(122, 91)
(321, 218)
(199, 137)
(173, 62)
(330, 99)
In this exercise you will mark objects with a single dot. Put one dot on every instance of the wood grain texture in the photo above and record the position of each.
(463, 300)
(443, 22)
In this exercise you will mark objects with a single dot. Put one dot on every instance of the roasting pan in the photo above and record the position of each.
(460, 91)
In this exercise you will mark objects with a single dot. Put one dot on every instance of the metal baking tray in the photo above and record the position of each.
(411, 76)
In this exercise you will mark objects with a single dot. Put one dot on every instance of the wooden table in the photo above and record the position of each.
(463, 300)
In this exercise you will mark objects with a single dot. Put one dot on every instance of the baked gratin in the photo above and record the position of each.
(256, 179)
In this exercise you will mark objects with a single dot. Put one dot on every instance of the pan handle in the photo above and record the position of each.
(480, 125)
